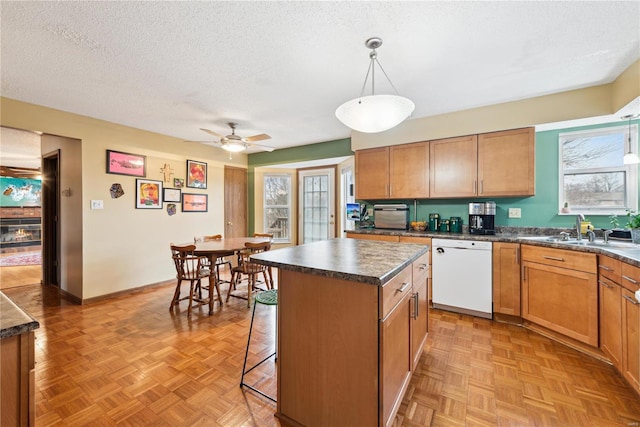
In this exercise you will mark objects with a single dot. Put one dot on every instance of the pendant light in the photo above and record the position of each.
(375, 113)
(630, 158)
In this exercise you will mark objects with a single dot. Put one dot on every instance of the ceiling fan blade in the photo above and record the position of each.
(263, 147)
(210, 132)
(260, 137)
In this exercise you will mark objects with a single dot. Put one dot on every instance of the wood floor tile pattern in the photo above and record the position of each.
(128, 361)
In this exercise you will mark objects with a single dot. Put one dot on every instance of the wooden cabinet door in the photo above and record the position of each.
(372, 173)
(506, 278)
(377, 237)
(506, 163)
(562, 300)
(395, 359)
(420, 322)
(611, 320)
(631, 338)
(453, 167)
(409, 171)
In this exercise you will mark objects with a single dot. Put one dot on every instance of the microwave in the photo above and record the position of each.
(391, 217)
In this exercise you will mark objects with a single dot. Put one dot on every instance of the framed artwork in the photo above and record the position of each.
(194, 202)
(120, 163)
(148, 194)
(178, 182)
(196, 174)
(171, 195)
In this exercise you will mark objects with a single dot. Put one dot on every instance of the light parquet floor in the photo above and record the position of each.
(128, 361)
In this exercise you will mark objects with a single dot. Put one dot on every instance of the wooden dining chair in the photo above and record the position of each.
(191, 268)
(250, 269)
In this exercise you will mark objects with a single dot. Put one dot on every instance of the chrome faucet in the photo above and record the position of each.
(592, 235)
(606, 235)
(579, 219)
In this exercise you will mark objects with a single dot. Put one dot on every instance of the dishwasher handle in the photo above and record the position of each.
(440, 250)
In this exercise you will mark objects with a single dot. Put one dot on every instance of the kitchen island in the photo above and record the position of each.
(352, 322)
(17, 365)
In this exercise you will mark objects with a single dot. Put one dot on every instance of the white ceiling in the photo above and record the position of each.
(282, 68)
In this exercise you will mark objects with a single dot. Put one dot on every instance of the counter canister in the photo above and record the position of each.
(455, 224)
(444, 225)
(434, 221)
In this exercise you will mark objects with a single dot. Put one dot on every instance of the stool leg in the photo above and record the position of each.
(246, 352)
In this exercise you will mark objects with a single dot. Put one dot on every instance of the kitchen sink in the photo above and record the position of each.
(612, 244)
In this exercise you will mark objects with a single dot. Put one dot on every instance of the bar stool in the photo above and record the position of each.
(269, 297)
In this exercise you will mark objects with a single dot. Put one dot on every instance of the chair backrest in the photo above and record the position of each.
(251, 249)
(188, 266)
(210, 238)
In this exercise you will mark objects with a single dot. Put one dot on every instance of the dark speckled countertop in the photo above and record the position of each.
(630, 255)
(355, 260)
(13, 320)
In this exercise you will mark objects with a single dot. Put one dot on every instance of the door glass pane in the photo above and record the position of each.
(316, 224)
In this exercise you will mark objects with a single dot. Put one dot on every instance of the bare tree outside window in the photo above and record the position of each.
(593, 176)
(277, 201)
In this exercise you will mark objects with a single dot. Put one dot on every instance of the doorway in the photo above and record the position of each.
(50, 218)
(316, 205)
(235, 202)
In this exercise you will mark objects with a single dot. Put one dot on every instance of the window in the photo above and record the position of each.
(277, 206)
(593, 178)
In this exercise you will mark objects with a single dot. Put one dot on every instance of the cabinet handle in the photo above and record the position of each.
(404, 286)
(423, 266)
(553, 258)
(416, 306)
(630, 279)
(481, 186)
(604, 267)
(631, 300)
(475, 183)
(605, 284)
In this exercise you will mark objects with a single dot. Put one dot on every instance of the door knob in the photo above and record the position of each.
(229, 223)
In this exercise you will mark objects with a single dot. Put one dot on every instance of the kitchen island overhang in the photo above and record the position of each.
(346, 309)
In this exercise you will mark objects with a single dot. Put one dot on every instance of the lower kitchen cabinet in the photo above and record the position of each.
(420, 309)
(17, 380)
(631, 325)
(378, 237)
(506, 278)
(610, 294)
(560, 291)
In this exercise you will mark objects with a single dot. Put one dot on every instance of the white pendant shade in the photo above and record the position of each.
(375, 113)
(630, 159)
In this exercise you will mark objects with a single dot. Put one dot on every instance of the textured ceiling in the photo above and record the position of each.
(282, 68)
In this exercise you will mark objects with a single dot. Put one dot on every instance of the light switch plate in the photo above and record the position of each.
(515, 213)
(97, 204)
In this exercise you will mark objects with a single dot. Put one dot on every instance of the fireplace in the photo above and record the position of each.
(20, 227)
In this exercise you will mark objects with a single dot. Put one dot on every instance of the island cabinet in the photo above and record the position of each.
(347, 346)
(560, 291)
(610, 295)
(506, 278)
(427, 242)
(396, 172)
(376, 237)
(631, 325)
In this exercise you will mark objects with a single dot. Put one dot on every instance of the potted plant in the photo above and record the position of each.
(565, 208)
(633, 224)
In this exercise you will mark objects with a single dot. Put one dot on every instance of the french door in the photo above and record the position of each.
(316, 205)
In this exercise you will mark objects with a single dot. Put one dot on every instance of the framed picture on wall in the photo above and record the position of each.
(120, 163)
(194, 202)
(148, 194)
(171, 195)
(196, 174)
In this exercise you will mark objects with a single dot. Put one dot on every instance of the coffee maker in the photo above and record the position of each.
(482, 218)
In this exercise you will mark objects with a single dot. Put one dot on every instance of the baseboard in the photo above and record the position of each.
(125, 292)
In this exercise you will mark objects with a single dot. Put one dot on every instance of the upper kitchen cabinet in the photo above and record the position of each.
(397, 172)
(409, 171)
(372, 173)
(506, 163)
(453, 165)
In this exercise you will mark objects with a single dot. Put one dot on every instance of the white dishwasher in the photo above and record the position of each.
(461, 276)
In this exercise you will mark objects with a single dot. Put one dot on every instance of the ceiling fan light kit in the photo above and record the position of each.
(375, 113)
(234, 143)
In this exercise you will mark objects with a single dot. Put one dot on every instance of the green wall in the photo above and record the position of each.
(540, 210)
(323, 150)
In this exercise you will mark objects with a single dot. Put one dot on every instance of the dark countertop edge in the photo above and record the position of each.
(360, 278)
(506, 238)
(17, 328)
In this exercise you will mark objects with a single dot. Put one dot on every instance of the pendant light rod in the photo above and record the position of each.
(630, 158)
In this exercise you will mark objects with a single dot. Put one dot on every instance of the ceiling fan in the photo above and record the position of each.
(235, 143)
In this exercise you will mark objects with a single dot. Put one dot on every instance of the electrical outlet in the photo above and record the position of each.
(515, 213)
(369, 211)
(97, 204)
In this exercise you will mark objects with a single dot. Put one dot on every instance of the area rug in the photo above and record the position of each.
(24, 258)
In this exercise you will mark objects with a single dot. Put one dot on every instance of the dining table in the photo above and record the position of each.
(213, 249)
